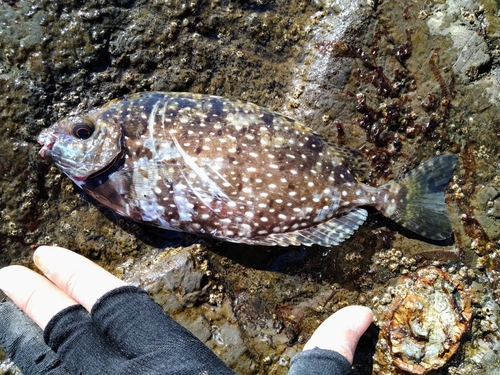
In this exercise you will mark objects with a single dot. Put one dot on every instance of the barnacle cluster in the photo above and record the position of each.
(394, 260)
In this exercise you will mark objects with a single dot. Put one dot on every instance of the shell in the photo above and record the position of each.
(425, 323)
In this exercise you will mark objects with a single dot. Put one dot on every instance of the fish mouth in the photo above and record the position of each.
(47, 138)
(46, 150)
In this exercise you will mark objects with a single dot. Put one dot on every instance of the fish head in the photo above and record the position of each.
(83, 146)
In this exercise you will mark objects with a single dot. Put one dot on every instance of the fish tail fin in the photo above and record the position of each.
(417, 201)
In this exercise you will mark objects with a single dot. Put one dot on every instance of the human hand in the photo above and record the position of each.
(94, 323)
(73, 280)
(330, 350)
(145, 336)
(341, 331)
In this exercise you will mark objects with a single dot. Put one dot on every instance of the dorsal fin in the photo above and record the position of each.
(352, 159)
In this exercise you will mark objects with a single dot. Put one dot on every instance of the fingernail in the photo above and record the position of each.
(38, 257)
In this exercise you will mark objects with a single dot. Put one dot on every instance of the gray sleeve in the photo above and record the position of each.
(319, 362)
(23, 342)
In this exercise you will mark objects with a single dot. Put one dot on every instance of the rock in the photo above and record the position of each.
(486, 203)
(61, 56)
(472, 50)
(172, 277)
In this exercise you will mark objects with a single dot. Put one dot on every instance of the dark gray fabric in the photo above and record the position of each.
(128, 333)
(23, 342)
(319, 362)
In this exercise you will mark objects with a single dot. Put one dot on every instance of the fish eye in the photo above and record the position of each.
(83, 130)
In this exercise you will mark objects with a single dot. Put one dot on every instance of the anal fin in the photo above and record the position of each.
(329, 233)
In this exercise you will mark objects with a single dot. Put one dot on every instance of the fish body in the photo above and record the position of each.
(235, 171)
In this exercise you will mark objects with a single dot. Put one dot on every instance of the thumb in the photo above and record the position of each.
(341, 331)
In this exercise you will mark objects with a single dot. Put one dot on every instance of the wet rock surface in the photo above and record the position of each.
(417, 80)
(487, 212)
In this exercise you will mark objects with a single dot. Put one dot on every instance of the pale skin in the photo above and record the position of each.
(72, 279)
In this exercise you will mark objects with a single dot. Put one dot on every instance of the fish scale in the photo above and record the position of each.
(235, 171)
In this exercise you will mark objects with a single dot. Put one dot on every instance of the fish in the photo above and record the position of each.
(235, 171)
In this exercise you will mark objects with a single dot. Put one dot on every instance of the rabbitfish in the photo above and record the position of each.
(232, 170)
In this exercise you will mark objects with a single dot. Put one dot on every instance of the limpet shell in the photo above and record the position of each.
(426, 321)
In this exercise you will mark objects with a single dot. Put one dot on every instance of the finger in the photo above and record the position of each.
(33, 293)
(78, 277)
(341, 331)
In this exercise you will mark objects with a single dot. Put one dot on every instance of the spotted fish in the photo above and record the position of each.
(235, 171)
